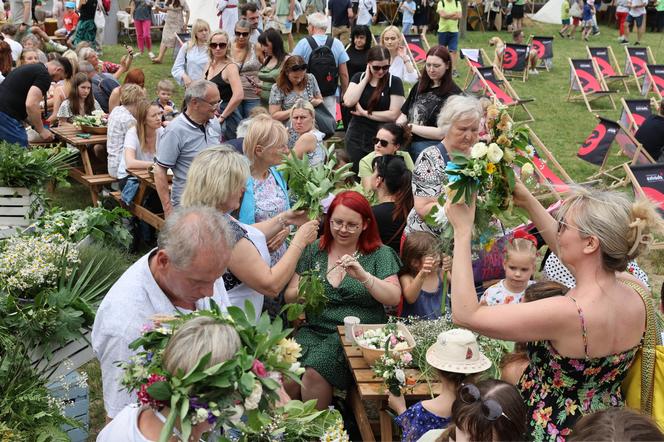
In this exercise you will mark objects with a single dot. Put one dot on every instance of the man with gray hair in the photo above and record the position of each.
(190, 132)
(326, 58)
(181, 274)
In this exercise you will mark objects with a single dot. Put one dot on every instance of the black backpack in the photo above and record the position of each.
(323, 66)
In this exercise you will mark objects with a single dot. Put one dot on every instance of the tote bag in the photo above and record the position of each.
(644, 384)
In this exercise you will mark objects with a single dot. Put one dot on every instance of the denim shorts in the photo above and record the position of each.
(449, 39)
(631, 19)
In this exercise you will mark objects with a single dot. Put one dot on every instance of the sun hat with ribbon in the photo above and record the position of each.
(457, 351)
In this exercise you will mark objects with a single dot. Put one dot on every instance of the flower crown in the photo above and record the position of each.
(245, 385)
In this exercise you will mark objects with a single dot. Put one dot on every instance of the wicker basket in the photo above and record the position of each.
(94, 130)
(371, 354)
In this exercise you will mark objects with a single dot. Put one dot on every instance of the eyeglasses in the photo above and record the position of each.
(491, 409)
(350, 227)
(383, 143)
(298, 68)
(241, 34)
(562, 226)
(218, 45)
(214, 104)
(383, 68)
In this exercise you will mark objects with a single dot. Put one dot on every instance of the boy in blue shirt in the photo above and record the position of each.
(408, 9)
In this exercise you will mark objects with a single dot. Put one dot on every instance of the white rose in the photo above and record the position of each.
(237, 415)
(527, 169)
(440, 217)
(251, 403)
(478, 150)
(296, 368)
(400, 375)
(494, 153)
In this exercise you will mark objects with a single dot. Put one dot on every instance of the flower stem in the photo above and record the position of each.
(443, 304)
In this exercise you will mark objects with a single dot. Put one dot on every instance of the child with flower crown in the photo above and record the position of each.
(455, 356)
(519, 266)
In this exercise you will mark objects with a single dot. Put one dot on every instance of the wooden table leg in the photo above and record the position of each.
(85, 159)
(360, 414)
(385, 423)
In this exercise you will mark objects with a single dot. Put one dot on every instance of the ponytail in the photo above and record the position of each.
(397, 178)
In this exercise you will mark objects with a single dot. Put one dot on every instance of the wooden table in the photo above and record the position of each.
(88, 176)
(146, 182)
(368, 388)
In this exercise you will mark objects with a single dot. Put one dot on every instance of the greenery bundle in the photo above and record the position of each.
(34, 168)
(311, 185)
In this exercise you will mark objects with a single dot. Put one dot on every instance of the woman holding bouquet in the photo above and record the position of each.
(359, 276)
(581, 345)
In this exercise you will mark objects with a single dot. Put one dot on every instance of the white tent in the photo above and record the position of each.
(206, 10)
(550, 13)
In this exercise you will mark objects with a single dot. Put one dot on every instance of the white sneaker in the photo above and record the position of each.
(151, 55)
(533, 72)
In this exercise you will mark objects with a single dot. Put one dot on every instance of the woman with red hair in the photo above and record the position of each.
(134, 76)
(359, 276)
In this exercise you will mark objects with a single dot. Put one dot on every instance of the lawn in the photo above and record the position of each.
(562, 126)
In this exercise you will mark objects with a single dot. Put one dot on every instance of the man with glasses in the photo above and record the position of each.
(192, 131)
(317, 39)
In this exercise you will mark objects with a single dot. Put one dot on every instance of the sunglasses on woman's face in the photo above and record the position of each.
(383, 143)
(218, 45)
(241, 34)
(491, 409)
(298, 68)
(383, 68)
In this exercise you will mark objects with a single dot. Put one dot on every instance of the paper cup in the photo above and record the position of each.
(349, 322)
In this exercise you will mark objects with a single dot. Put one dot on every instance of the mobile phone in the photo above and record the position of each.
(252, 81)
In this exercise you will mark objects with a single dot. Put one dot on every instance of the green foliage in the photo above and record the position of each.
(33, 168)
(102, 225)
(310, 185)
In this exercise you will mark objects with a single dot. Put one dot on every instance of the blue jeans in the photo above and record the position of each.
(12, 131)
(417, 147)
(229, 126)
(247, 105)
(406, 28)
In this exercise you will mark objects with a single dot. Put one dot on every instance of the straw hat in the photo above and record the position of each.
(457, 351)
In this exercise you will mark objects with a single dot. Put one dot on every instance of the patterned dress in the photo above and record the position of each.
(417, 420)
(559, 390)
(321, 345)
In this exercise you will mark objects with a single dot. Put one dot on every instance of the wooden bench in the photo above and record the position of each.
(156, 220)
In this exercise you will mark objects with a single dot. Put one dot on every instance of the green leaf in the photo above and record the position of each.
(247, 383)
(160, 391)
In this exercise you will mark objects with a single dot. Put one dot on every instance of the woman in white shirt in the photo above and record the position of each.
(141, 141)
(193, 57)
(367, 12)
(401, 64)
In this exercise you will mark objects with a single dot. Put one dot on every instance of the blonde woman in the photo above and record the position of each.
(226, 76)
(193, 57)
(142, 139)
(305, 138)
(401, 65)
(217, 178)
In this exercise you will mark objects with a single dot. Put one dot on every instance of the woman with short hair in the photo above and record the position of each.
(304, 138)
(135, 76)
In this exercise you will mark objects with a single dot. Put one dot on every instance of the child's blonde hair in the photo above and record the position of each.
(416, 246)
(521, 244)
(165, 85)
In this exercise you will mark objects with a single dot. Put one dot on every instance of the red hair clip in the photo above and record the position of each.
(525, 235)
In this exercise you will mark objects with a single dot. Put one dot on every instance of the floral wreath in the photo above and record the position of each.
(244, 386)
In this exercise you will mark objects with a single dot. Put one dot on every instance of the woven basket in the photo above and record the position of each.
(371, 354)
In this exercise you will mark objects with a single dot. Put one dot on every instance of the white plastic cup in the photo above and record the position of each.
(349, 322)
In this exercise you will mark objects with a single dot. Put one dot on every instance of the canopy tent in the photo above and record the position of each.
(549, 13)
(206, 10)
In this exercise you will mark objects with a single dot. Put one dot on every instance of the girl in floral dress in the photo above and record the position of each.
(580, 345)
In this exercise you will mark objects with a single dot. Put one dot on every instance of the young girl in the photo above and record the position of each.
(80, 101)
(421, 276)
(519, 265)
(587, 18)
(454, 357)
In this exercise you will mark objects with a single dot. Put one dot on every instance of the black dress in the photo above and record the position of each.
(390, 229)
(357, 62)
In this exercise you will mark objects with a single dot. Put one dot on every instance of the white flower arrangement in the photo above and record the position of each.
(377, 337)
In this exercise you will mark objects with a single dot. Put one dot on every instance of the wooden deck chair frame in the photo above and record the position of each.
(613, 62)
(551, 162)
(628, 62)
(650, 83)
(506, 88)
(633, 125)
(609, 173)
(410, 55)
(587, 97)
(543, 63)
(469, 64)
(523, 75)
(478, 15)
(638, 191)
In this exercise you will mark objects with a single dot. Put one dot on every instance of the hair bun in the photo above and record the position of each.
(644, 221)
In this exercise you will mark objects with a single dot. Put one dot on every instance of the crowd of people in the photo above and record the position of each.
(230, 234)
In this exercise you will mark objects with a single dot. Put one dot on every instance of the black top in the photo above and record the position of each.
(87, 11)
(102, 86)
(14, 90)
(225, 90)
(651, 135)
(357, 60)
(339, 12)
(423, 109)
(393, 87)
(390, 230)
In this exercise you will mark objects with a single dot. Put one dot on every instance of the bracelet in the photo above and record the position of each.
(298, 246)
(364, 283)
(282, 221)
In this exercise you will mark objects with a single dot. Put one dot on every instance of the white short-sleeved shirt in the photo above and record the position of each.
(124, 427)
(500, 294)
(132, 142)
(129, 305)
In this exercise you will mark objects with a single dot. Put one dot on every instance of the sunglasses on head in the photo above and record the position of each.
(491, 409)
(383, 143)
(241, 34)
(381, 68)
(218, 45)
(298, 67)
